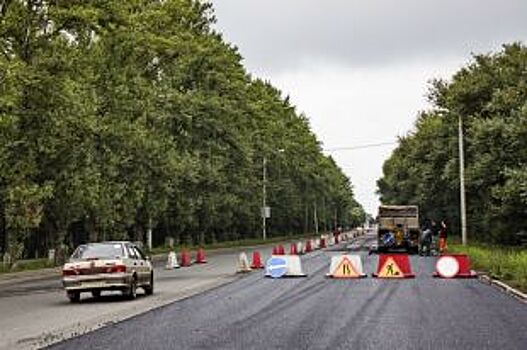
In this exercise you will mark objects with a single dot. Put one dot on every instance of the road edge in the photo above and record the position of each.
(483, 277)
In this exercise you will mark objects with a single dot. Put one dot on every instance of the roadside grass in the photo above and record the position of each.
(26, 265)
(507, 264)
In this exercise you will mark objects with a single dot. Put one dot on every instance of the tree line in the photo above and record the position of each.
(117, 117)
(490, 96)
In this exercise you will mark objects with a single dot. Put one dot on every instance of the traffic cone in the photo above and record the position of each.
(200, 256)
(322, 243)
(394, 266)
(275, 250)
(309, 248)
(454, 266)
(243, 263)
(293, 250)
(185, 258)
(257, 262)
(300, 248)
(172, 262)
(281, 250)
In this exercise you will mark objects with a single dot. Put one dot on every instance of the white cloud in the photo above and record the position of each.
(351, 107)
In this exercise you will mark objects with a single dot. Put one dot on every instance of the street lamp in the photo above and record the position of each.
(266, 211)
(462, 183)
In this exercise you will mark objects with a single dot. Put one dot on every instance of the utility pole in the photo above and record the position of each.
(264, 179)
(315, 218)
(462, 184)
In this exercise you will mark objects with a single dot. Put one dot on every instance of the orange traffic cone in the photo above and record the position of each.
(293, 250)
(185, 258)
(322, 243)
(394, 266)
(281, 250)
(257, 262)
(275, 250)
(200, 256)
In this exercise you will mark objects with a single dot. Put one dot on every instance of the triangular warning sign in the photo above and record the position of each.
(390, 269)
(345, 270)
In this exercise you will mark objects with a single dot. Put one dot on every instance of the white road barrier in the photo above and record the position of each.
(243, 263)
(346, 266)
(284, 266)
(172, 262)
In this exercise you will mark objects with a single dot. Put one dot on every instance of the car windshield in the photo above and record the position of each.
(98, 251)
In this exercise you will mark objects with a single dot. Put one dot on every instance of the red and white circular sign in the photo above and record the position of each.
(447, 266)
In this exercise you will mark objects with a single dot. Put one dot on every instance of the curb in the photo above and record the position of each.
(504, 287)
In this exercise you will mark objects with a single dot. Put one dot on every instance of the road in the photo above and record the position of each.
(35, 311)
(320, 313)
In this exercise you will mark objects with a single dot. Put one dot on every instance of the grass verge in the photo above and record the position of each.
(26, 265)
(507, 264)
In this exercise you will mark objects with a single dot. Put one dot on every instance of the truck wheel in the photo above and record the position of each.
(74, 297)
(96, 294)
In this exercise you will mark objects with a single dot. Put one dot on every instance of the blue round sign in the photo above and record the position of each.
(276, 267)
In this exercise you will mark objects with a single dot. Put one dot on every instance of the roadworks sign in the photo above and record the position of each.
(346, 266)
(394, 266)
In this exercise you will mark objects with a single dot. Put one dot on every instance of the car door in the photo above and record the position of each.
(143, 266)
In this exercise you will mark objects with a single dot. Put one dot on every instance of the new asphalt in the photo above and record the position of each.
(316, 312)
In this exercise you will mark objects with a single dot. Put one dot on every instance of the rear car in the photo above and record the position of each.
(107, 266)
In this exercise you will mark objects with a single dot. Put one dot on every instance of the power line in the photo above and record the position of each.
(370, 145)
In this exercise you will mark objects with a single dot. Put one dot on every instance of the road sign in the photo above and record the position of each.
(276, 267)
(447, 267)
(345, 269)
(266, 212)
(390, 269)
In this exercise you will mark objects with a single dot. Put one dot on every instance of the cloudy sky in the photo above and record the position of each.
(359, 68)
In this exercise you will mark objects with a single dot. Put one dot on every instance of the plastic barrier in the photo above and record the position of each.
(200, 256)
(394, 266)
(172, 262)
(284, 266)
(309, 246)
(346, 266)
(454, 266)
(257, 262)
(300, 248)
(185, 258)
(243, 263)
(292, 250)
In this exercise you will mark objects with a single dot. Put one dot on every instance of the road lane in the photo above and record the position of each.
(36, 312)
(320, 313)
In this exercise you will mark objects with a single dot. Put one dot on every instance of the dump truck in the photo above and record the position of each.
(398, 228)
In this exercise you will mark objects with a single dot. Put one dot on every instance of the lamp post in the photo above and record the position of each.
(266, 211)
(462, 184)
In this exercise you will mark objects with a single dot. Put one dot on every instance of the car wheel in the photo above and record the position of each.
(96, 294)
(74, 297)
(150, 289)
(131, 292)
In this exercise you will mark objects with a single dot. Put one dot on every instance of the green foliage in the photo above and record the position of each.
(490, 95)
(117, 117)
(507, 264)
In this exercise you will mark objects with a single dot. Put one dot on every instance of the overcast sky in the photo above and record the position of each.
(359, 68)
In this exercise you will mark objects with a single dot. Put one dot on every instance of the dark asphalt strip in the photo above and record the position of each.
(315, 312)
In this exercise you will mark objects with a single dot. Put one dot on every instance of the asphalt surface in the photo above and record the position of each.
(34, 310)
(320, 313)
